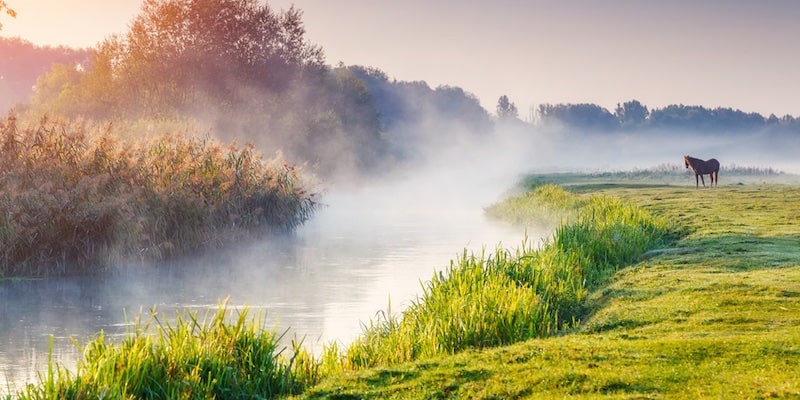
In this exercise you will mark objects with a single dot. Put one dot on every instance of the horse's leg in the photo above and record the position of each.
(696, 181)
(703, 180)
(716, 177)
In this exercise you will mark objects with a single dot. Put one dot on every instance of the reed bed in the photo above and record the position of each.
(222, 355)
(508, 296)
(74, 198)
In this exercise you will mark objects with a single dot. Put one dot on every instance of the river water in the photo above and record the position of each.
(363, 250)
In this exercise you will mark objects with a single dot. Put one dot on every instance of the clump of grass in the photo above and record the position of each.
(222, 355)
(506, 297)
(543, 204)
(74, 198)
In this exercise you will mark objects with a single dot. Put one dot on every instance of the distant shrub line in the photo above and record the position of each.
(74, 198)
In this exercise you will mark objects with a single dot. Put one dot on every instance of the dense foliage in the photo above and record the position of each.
(234, 65)
(416, 117)
(21, 63)
(74, 199)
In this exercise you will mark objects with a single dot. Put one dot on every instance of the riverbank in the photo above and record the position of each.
(718, 320)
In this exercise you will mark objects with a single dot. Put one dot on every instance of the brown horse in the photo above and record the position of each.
(700, 167)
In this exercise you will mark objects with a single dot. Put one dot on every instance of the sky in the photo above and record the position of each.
(728, 53)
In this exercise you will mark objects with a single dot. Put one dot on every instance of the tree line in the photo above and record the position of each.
(633, 115)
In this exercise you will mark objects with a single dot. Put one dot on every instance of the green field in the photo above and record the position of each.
(716, 314)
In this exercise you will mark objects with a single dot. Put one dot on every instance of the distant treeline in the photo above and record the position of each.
(633, 115)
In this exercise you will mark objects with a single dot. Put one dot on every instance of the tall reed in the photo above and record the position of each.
(74, 198)
(507, 296)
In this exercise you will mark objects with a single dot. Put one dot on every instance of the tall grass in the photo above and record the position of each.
(542, 204)
(75, 198)
(505, 297)
(223, 355)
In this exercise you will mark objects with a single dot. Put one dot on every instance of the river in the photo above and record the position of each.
(361, 251)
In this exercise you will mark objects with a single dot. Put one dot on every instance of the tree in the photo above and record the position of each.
(505, 108)
(10, 12)
(22, 62)
(188, 56)
(583, 116)
(631, 114)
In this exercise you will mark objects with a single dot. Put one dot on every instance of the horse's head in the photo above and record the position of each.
(686, 161)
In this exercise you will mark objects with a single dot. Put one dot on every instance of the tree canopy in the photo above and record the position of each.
(184, 55)
(506, 108)
(22, 62)
(236, 65)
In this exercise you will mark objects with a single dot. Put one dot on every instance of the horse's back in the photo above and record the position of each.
(713, 163)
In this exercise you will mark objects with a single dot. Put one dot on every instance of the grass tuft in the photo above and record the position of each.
(221, 355)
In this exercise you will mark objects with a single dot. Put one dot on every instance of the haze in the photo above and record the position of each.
(737, 54)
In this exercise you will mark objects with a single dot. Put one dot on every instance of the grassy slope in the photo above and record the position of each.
(718, 316)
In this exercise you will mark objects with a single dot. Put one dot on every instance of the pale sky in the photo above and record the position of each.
(730, 53)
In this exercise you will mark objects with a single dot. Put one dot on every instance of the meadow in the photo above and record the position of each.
(710, 314)
(643, 291)
(79, 197)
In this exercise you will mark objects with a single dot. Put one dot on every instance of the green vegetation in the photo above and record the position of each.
(635, 116)
(74, 198)
(510, 296)
(238, 67)
(714, 315)
(213, 357)
(707, 307)
(479, 302)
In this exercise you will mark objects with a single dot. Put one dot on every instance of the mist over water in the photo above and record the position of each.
(370, 245)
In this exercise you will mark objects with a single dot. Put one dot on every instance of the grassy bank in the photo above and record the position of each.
(507, 296)
(74, 198)
(714, 315)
